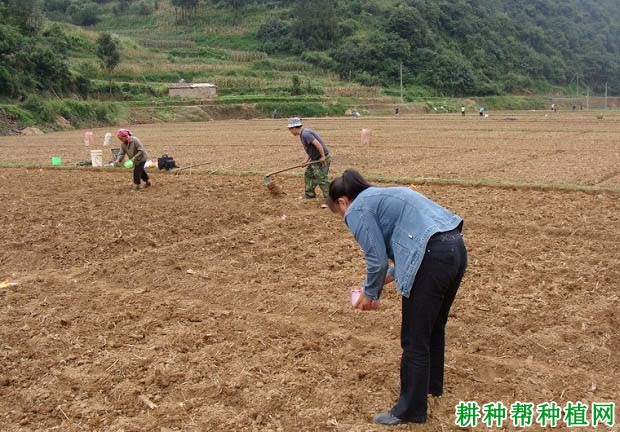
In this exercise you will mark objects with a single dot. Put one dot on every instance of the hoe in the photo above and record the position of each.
(267, 179)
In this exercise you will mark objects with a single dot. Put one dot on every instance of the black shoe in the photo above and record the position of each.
(387, 419)
(148, 184)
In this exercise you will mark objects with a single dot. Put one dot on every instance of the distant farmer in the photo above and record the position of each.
(317, 173)
(424, 242)
(397, 111)
(133, 148)
(462, 110)
(481, 111)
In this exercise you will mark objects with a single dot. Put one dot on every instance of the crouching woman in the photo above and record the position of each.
(425, 243)
(135, 151)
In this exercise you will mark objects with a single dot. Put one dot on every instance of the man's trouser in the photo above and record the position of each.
(317, 175)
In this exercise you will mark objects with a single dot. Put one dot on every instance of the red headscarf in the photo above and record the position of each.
(123, 133)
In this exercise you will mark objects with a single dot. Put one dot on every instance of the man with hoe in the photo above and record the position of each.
(318, 161)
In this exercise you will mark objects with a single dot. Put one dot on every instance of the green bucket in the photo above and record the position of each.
(128, 164)
(56, 161)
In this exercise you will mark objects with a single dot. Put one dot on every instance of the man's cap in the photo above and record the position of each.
(294, 122)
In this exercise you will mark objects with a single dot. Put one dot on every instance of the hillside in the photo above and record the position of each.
(300, 56)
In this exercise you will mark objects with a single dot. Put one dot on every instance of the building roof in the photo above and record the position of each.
(190, 85)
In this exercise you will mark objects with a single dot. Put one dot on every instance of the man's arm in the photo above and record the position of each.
(319, 147)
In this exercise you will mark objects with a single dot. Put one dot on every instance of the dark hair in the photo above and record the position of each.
(349, 185)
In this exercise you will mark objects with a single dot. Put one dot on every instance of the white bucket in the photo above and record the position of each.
(96, 157)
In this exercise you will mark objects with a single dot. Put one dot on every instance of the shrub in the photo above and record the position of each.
(275, 36)
(319, 59)
(296, 86)
(142, 8)
(85, 14)
(42, 110)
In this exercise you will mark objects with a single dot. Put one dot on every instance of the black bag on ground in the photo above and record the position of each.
(166, 162)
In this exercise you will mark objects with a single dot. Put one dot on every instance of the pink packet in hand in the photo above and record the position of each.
(356, 294)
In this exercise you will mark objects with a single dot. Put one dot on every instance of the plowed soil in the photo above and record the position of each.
(207, 304)
(524, 147)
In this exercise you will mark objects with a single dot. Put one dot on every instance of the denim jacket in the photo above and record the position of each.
(395, 223)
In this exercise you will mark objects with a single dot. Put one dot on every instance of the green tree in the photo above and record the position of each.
(408, 23)
(28, 65)
(26, 14)
(121, 7)
(108, 50)
(84, 14)
(56, 5)
(236, 6)
(378, 55)
(315, 23)
(451, 74)
(296, 87)
(275, 37)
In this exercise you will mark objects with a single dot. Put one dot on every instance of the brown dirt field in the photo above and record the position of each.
(567, 147)
(200, 296)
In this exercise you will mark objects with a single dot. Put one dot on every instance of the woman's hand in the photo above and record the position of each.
(365, 303)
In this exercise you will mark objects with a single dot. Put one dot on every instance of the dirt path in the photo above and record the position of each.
(199, 296)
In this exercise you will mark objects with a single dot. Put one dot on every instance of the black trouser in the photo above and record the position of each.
(424, 316)
(140, 173)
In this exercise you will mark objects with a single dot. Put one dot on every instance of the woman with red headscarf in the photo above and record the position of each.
(133, 148)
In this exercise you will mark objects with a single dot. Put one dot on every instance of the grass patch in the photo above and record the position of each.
(262, 98)
(123, 22)
(125, 90)
(79, 113)
(501, 103)
(302, 109)
(235, 42)
(22, 117)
